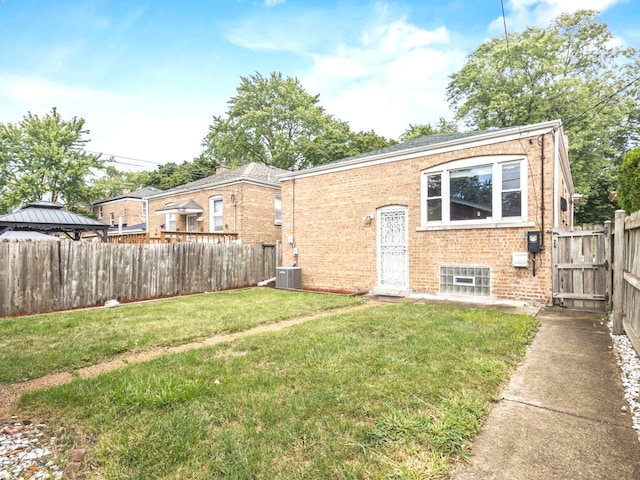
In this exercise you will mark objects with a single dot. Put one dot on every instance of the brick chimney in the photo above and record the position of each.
(223, 167)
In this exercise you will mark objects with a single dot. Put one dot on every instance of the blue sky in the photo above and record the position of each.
(147, 76)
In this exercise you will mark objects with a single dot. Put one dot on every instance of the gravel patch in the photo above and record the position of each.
(27, 451)
(629, 363)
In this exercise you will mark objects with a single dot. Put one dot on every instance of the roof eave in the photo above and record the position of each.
(210, 186)
(523, 131)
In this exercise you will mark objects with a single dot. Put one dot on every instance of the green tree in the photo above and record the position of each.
(273, 120)
(113, 181)
(174, 174)
(573, 70)
(421, 130)
(629, 185)
(44, 159)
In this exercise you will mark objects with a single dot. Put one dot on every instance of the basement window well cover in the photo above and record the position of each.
(465, 280)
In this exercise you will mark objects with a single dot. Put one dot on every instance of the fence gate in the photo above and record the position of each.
(581, 268)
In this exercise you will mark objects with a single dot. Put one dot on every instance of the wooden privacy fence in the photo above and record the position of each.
(626, 277)
(39, 277)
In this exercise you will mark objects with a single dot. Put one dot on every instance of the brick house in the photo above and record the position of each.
(442, 215)
(243, 202)
(128, 209)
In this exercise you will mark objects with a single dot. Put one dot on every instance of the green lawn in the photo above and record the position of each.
(31, 347)
(386, 392)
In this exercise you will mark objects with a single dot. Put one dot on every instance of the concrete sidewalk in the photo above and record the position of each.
(561, 415)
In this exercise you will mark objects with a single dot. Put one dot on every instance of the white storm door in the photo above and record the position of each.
(192, 223)
(392, 248)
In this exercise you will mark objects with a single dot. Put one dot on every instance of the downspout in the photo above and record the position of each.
(542, 193)
(556, 178)
(293, 222)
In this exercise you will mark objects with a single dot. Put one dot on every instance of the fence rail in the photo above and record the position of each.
(39, 277)
(174, 237)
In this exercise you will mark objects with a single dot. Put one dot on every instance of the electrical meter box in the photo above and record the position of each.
(533, 241)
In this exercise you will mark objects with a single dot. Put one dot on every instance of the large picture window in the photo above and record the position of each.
(470, 192)
(481, 190)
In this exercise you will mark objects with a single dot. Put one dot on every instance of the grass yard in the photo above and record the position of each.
(31, 347)
(387, 392)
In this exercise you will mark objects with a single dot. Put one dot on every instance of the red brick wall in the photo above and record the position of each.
(337, 248)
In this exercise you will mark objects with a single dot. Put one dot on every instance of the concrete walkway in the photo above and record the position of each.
(561, 415)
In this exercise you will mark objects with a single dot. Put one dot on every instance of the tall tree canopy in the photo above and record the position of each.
(113, 182)
(420, 130)
(273, 120)
(629, 188)
(44, 159)
(573, 70)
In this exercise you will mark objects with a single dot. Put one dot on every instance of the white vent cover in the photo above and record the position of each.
(520, 259)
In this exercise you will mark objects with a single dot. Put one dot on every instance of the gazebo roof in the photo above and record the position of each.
(43, 216)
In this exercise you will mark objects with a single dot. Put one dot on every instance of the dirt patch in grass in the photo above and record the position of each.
(10, 394)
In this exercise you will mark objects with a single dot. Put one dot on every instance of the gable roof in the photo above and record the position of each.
(428, 145)
(186, 207)
(136, 194)
(251, 172)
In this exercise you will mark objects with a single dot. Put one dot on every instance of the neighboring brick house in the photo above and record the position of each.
(128, 209)
(440, 215)
(244, 201)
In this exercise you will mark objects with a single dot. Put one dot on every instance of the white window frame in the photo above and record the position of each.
(277, 205)
(112, 219)
(100, 212)
(212, 214)
(496, 162)
(170, 222)
(144, 210)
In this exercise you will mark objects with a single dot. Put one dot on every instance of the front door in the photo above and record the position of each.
(392, 250)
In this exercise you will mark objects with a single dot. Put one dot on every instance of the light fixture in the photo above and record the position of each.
(367, 218)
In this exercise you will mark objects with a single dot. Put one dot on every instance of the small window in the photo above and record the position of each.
(278, 209)
(511, 193)
(112, 219)
(468, 281)
(465, 280)
(434, 197)
(100, 213)
(170, 222)
(144, 209)
(216, 208)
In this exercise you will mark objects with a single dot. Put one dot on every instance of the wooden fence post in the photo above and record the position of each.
(608, 257)
(618, 272)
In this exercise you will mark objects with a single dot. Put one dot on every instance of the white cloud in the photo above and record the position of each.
(154, 129)
(395, 75)
(539, 13)
(273, 3)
